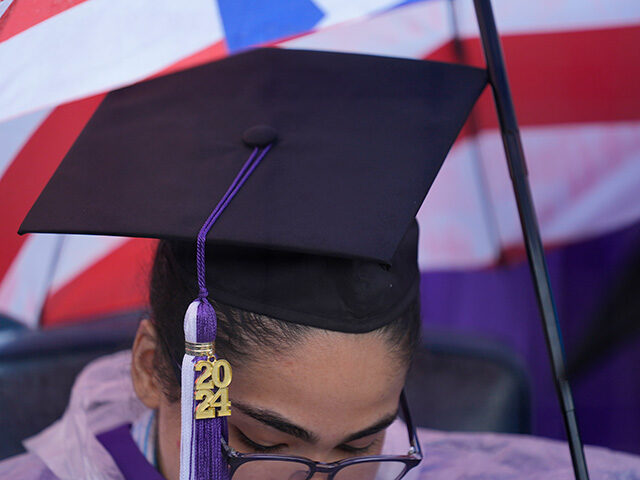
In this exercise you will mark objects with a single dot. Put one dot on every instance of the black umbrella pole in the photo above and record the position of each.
(533, 243)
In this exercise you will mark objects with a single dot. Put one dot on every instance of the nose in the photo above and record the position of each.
(298, 476)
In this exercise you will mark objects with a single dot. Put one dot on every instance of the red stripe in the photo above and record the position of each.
(29, 172)
(117, 282)
(567, 77)
(24, 14)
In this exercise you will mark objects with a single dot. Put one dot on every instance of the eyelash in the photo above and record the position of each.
(258, 448)
(358, 450)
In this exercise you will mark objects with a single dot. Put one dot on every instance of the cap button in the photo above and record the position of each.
(259, 135)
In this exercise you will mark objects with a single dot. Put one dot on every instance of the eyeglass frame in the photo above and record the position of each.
(411, 460)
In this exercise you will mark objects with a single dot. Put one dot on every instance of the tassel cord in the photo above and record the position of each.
(247, 169)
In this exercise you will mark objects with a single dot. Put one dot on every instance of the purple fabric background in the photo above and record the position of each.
(499, 303)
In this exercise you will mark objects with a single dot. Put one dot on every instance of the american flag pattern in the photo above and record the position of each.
(574, 69)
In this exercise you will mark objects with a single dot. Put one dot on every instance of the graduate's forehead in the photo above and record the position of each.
(313, 384)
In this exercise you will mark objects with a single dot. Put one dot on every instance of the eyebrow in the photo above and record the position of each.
(277, 421)
(373, 429)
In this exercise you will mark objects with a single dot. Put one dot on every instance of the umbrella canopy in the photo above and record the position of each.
(581, 132)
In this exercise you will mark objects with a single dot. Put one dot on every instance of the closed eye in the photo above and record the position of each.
(257, 447)
(260, 448)
(358, 450)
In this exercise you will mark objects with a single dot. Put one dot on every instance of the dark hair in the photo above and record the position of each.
(241, 335)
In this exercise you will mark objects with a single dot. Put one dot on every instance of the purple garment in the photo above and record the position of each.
(130, 460)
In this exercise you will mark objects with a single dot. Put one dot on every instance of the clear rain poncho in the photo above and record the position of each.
(103, 398)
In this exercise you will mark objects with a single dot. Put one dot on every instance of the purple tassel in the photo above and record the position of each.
(207, 433)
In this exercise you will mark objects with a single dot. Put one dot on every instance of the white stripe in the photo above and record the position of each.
(584, 178)
(4, 6)
(46, 263)
(511, 15)
(99, 45)
(543, 16)
(410, 32)
(585, 181)
(454, 232)
(337, 11)
(24, 287)
(187, 445)
(15, 133)
(144, 434)
(614, 201)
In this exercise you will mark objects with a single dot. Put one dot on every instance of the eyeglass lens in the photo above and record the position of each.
(371, 471)
(289, 470)
(272, 470)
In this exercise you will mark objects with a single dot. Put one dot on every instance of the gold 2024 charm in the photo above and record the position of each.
(211, 389)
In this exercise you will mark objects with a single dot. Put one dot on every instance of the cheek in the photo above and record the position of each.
(168, 446)
(169, 424)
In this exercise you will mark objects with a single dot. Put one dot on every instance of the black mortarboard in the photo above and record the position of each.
(358, 141)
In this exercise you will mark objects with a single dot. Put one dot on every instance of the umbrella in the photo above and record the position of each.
(99, 46)
(238, 39)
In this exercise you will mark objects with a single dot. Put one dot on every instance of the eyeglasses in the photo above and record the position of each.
(255, 466)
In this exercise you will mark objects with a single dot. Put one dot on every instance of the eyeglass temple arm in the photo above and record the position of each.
(411, 431)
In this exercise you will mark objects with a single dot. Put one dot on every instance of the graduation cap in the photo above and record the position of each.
(301, 171)
(356, 142)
